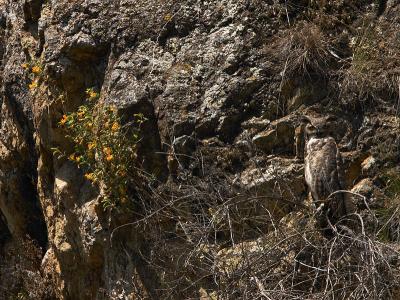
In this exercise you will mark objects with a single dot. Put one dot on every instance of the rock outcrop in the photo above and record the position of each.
(222, 86)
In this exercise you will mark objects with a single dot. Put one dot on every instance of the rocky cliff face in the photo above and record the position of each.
(223, 85)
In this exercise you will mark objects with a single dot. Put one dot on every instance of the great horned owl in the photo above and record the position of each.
(324, 173)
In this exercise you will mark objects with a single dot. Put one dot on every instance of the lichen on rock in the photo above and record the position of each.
(216, 185)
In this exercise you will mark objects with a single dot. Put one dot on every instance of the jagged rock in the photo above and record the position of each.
(32, 9)
(280, 183)
(67, 184)
(368, 165)
(185, 127)
(280, 137)
(202, 75)
(266, 140)
(300, 92)
(184, 145)
(365, 187)
(256, 123)
(369, 195)
(352, 165)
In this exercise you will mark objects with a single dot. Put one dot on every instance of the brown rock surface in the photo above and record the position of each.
(222, 85)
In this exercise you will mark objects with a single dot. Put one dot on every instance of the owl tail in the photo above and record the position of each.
(340, 212)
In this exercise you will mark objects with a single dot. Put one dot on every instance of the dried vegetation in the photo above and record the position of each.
(20, 275)
(203, 245)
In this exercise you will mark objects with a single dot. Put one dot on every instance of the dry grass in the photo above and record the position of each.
(305, 51)
(20, 276)
(296, 263)
(292, 261)
(199, 249)
(372, 74)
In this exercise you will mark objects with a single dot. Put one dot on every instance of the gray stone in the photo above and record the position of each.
(279, 138)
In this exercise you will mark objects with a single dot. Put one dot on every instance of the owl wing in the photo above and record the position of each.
(339, 169)
(347, 207)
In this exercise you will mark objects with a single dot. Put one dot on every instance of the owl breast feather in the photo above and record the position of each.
(321, 167)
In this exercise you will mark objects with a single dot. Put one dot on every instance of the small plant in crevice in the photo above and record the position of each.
(103, 148)
(34, 69)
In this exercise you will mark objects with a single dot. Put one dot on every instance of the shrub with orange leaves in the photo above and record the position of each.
(33, 85)
(36, 69)
(103, 152)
